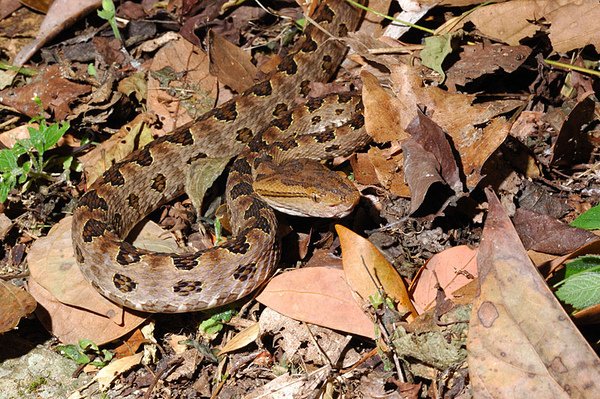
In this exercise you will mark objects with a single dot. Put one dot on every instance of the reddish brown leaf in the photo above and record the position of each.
(369, 273)
(544, 233)
(15, 303)
(521, 343)
(421, 171)
(318, 295)
(56, 92)
(481, 59)
(450, 270)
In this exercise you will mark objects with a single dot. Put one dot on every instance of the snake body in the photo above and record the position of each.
(155, 174)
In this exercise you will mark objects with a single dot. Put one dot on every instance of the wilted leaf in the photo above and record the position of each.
(15, 303)
(317, 295)
(521, 342)
(131, 136)
(368, 272)
(572, 145)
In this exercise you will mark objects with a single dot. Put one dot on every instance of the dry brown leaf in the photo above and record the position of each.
(15, 303)
(180, 87)
(230, 64)
(54, 90)
(241, 339)
(572, 146)
(476, 129)
(546, 234)
(382, 121)
(521, 343)
(131, 136)
(572, 24)
(317, 295)
(117, 367)
(62, 13)
(481, 59)
(369, 273)
(450, 270)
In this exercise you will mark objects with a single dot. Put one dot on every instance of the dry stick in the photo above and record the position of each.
(169, 367)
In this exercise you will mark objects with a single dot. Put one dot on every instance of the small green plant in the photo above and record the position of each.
(214, 324)
(109, 14)
(35, 384)
(24, 162)
(86, 352)
(581, 286)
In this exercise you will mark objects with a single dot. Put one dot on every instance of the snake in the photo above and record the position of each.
(262, 130)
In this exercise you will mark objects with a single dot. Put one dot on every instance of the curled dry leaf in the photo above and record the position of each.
(520, 341)
(449, 270)
(15, 303)
(317, 295)
(368, 272)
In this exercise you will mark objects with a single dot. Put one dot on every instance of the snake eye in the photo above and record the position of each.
(315, 197)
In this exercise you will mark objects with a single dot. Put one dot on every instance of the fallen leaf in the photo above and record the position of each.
(484, 59)
(230, 64)
(544, 233)
(180, 87)
(241, 339)
(382, 121)
(117, 367)
(572, 145)
(61, 14)
(369, 273)
(449, 270)
(520, 341)
(131, 136)
(317, 295)
(55, 91)
(15, 303)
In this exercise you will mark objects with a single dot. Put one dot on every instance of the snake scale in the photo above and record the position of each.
(132, 188)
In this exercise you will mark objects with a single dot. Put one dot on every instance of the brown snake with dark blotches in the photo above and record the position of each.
(155, 174)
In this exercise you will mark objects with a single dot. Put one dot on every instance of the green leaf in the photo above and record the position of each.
(589, 220)
(581, 290)
(74, 353)
(8, 160)
(86, 344)
(581, 264)
(5, 188)
(54, 132)
(435, 51)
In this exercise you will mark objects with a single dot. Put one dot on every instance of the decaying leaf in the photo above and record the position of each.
(117, 367)
(369, 273)
(241, 339)
(520, 339)
(317, 295)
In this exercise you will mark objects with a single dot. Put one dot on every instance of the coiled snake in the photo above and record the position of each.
(155, 174)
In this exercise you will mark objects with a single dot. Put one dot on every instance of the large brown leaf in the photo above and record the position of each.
(521, 342)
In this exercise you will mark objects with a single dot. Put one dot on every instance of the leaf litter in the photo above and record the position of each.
(439, 300)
